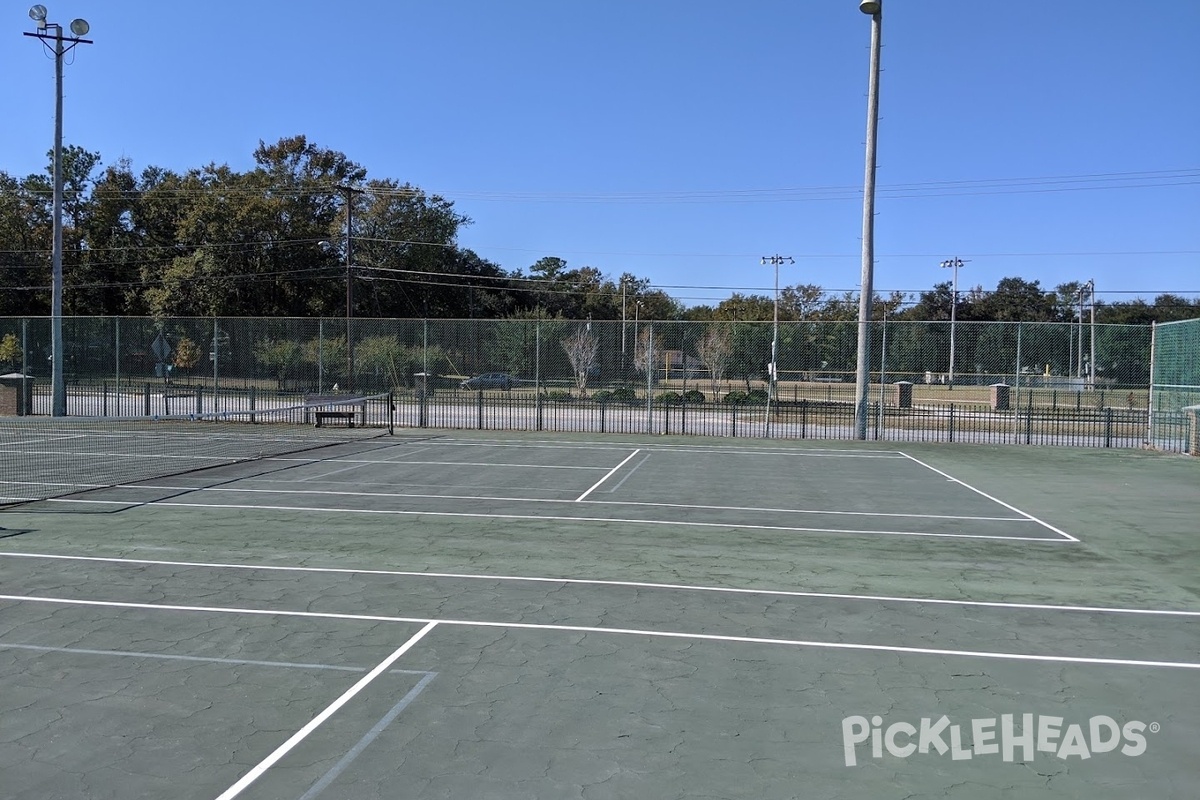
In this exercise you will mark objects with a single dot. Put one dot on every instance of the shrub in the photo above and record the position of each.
(693, 397)
(669, 399)
(557, 396)
(602, 396)
(735, 398)
(623, 394)
(757, 397)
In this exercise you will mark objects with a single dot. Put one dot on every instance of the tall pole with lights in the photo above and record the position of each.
(952, 264)
(862, 382)
(773, 371)
(51, 35)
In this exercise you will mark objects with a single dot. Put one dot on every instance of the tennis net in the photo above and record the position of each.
(45, 457)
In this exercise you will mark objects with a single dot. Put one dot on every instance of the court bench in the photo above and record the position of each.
(339, 407)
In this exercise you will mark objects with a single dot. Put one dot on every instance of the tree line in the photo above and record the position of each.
(272, 242)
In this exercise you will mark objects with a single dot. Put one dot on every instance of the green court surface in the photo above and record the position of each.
(532, 616)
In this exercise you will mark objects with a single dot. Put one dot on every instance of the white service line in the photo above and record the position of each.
(601, 582)
(554, 518)
(1013, 508)
(607, 475)
(300, 735)
(591, 629)
(690, 506)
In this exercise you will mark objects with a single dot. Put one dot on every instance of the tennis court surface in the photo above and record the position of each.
(476, 615)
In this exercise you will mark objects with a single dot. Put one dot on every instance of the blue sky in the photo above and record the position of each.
(682, 141)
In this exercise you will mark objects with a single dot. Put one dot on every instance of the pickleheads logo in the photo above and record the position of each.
(1007, 737)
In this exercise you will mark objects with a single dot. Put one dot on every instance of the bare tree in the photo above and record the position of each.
(714, 351)
(648, 354)
(582, 350)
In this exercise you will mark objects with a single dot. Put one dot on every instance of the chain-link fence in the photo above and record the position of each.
(1009, 382)
(1175, 385)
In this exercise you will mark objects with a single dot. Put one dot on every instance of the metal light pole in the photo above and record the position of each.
(862, 384)
(51, 34)
(1089, 290)
(953, 264)
(774, 368)
(349, 191)
(1079, 327)
(1092, 328)
(622, 327)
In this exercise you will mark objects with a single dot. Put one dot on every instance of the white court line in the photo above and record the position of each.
(379, 727)
(600, 582)
(391, 460)
(416, 495)
(628, 475)
(170, 657)
(364, 461)
(586, 629)
(607, 475)
(300, 735)
(549, 444)
(550, 518)
(109, 454)
(1012, 508)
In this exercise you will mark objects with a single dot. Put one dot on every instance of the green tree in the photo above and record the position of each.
(10, 351)
(279, 357)
(187, 355)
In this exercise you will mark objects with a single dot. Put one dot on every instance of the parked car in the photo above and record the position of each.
(491, 380)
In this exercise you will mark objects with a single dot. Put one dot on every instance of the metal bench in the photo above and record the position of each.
(341, 409)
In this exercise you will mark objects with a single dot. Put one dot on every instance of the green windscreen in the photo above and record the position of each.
(1174, 382)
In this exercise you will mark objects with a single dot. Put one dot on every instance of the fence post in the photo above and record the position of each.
(804, 418)
(602, 407)
(952, 422)
(1108, 427)
(480, 407)
(733, 432)
(146, 394)
(253, 402)
(1029, 420)
(104, 390)
(538, 403)
(876, 418)
(117, 362)
(200, 400)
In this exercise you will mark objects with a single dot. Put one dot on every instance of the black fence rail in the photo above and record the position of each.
(800, 419)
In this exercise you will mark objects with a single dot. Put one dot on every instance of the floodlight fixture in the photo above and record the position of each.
(38, 14)
(869, 6)
(80, 27)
